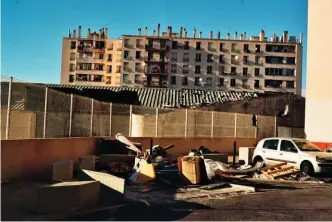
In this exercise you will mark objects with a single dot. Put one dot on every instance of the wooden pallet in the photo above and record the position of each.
(278, 171)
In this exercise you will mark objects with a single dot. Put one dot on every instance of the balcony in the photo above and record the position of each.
(157, 47)
(99, 50)
(246, 51)
(156, 71)
(224, 50)
(126, 81)
(235, 62)
(246, 86)
(138, 69)
(127, 69)
(128, 46)
(209, 60)
(118, 48)
(84, 59)
(152, 60)
(84, 48)
(153, 83)
(129, 58)
(140, 58)
(174, 59)
(118, 60)
(222, 61)
(140, 46)
(236, 50)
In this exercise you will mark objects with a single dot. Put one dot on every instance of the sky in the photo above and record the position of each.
(32, 30)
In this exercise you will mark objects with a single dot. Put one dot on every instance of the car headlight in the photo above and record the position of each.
(321, 160)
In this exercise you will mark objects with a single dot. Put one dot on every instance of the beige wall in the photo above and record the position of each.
(318, 122)
(22, 124)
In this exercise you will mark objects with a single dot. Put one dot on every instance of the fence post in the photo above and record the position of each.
(235, 124)
(70, 114)
(186, 124)
(8, 107)
(110, 133)
(130, 118)
(275, 126)
(45, 112)
(91, 121)
(157, 112)
(212, 123)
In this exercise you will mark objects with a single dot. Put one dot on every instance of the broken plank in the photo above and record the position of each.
(280, 170)
(294, 171)
(274, 166)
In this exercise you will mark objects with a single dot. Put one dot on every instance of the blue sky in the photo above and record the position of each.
(32, 30)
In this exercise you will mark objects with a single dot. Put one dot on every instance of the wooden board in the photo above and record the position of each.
(278, 171)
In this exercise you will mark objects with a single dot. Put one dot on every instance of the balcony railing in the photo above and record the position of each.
(235, 62)
(185, 71)
(174, 59)
(129, 46)
(246, 51)
(221, 61)
(246, 86)
(128, 58)
(139, 69)
(159, 48)
(125, 81)
(127, 69)
(236, 50)
(139, 46)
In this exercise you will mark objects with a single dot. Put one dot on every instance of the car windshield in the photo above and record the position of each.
(305, 145)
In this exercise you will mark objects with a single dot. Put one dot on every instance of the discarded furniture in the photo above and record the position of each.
(192, 168)
(279, 170)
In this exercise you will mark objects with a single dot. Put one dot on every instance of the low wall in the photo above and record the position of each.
(32, 157)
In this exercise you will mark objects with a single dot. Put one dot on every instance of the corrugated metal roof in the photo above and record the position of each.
(166, 97)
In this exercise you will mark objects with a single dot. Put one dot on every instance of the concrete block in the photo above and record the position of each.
(67, 196)
(216, 157)
(87, 163)
(62, 170)
(112, 188)
(245, 154)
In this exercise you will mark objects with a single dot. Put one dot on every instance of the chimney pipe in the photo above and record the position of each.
(228, 36)
(170, 31)
(185, 34)
(146, 31)
(235, 36)
(200, 35)
(262, 36)
(285, 36)
(139, 31)
(241, 37)
(89, 33)
(69, 34)
(181, 30)
(74, 34)
(244, 36)
(158, 29)
(194, 33)
(218, 35)
(79, 31)
(211, 35)
(100, 33)
(106, 33)
(154, 33)
(94, 36)
(301, 37)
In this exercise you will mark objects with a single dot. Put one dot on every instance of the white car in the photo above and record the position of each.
(300, 153)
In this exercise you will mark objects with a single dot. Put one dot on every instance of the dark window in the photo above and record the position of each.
(256, 71)
(109, 69)
(246, 48)
(209, 69)
(221, 47)
(197, 69)
(71, 78)
(256, 84)
(138, 54)
(73, 45)
(245, 59)
(174, 44)
(233, 70)
(258, 48)
(209, 57)
(287, 146)
(233, 82)
(290, 84)
(245, 71)
(290, 60)
(185, 81)
(101, 56)
(290, 72)
(221, 82)
(257, 58)
(198, 57)
(109, 57)
(197, 80)
(126, 54)
(221, 58)
(186, 45)
(271, 144)
(198, 45)
(100, 45)
(173, 80)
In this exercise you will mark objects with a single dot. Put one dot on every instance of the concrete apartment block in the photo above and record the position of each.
(67, 196)
(112, 188)
(87, 163)
(245, 154)
(177, 60)
(63, 170)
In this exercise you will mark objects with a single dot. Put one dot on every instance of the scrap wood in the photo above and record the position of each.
(279, 170)
(274, 166)
(257, 167)
(129, 144)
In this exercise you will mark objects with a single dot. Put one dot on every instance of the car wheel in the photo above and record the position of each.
(307, 168)
(258, 159)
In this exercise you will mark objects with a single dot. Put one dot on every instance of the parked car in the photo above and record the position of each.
(300, 153)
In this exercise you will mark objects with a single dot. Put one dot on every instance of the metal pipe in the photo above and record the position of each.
(8, 107)
(45, 112)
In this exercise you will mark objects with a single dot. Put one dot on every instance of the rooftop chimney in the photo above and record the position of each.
(301, 37)
(89, 34)
(106, 33)
(228, 36)
(244, 36)
(154, 33)
(200, 35)
(285, 36)
(146, 31)
(158, 29)
(185, 33)
(218, 35)
(211, 35)
(79, 31)
(235, 36)
(74, 34)
(194, 33)
(100, 33)
(139, 31)
(241, 37)
(170, 31)
(181, 30)
(69, 34)
(262, 36)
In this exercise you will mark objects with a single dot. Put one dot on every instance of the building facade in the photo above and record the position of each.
(318, 121)
(176, 60)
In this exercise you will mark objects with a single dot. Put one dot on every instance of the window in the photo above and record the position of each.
(138, 67)
(71, 78)
(101, 56)
(305, 145)
(233, 82)
(186, 45)
(221, 47)
(221, 82)
(290, 72)
(110, 57)
(245, 71)
(126, 42)
(257, 58)
(125, 78)
(138, 43)
(100, 44)
(185, 81)
(108, 79)
(290, 84)
(173, 80)
(73, 45)
(186, 57)
(118, 69)
(210, 45)
(71, 67)
(271, 144)
(233, 70)
(185, 69)
(287, 146)
(197, 69)
(72, 56)
(109, 69)
(126, 54)
(174, 56)
(246, 47)
(256, 71)
(209, 58)
(245, 82)
(290, 60)
(221, 58)
(173, 68)
(233, 46)
(99, 67)
(174, 44)
(256, 84)
(245, 59)
(209, 81)
(258, 48)
(221, 69)
(198, 45)
(138, 54)
(137, 78)
(209, 69)
(197, 80)
(198, 57)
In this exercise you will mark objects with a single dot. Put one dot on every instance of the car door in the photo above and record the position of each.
(270, 151)
(288, 152)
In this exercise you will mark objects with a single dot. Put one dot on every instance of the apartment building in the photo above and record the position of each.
(177, 60)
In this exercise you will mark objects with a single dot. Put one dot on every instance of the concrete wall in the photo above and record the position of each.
(34, 157)
(319, 72)
(291, 132)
